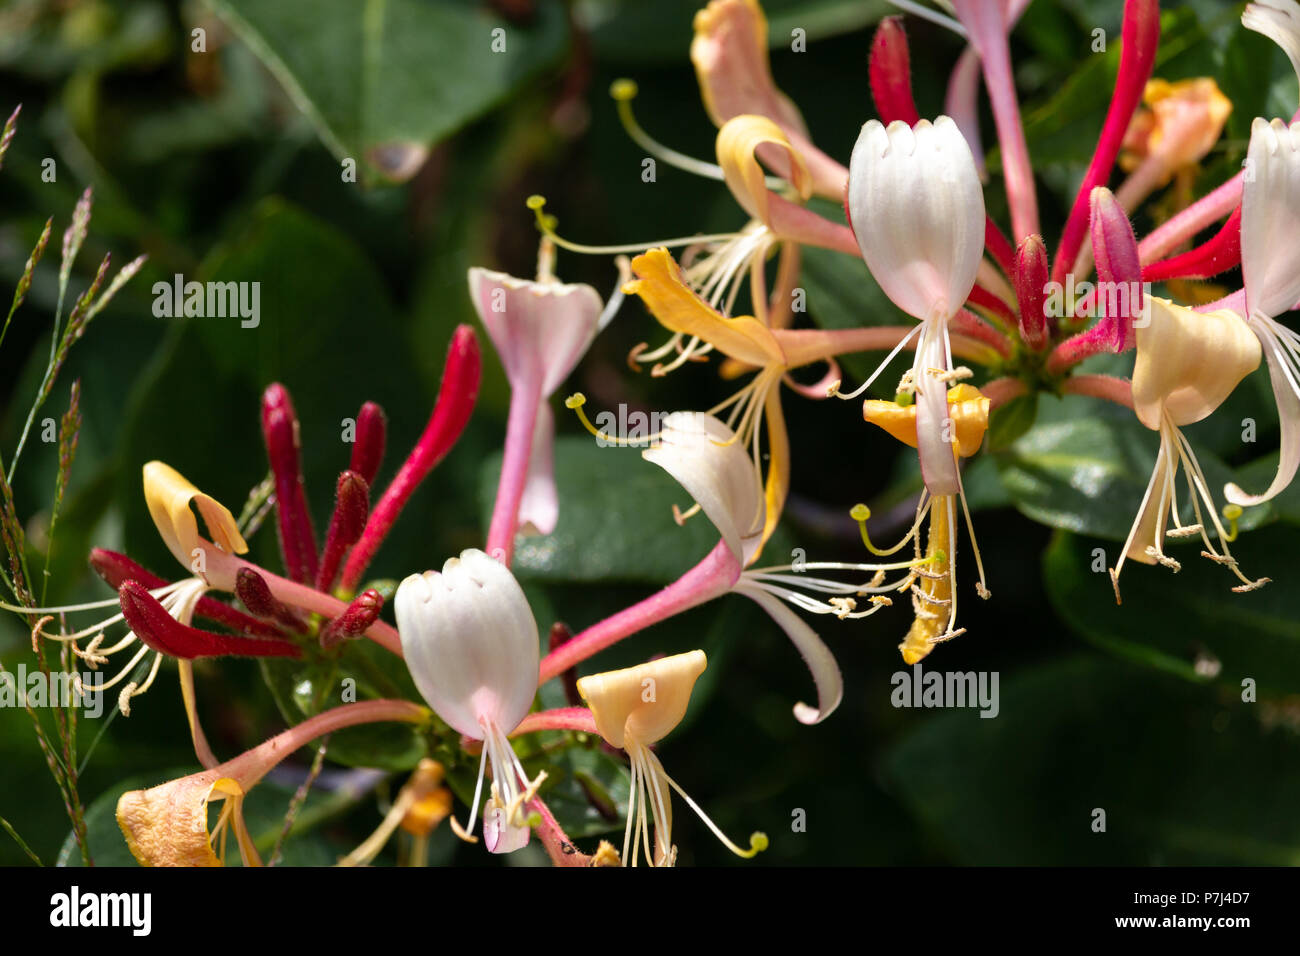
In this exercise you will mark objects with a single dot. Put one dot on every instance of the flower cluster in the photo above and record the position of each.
(984, 310)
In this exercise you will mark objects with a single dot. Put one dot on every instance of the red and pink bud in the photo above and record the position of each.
(456, 397)
(355, 621)
(351, 508)
(890, 73)
(369, 439)
(297, 538)
(157, 629)
(1031, 280)
(252, 589)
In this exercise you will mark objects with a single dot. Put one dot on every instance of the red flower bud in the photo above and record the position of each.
(117, 568)
(1031, 278)
(297, 538)
(368, 441)
(160, 631)
(355, 621)
(891, 73)
(252, 589)
(351, 507)
(456, 397)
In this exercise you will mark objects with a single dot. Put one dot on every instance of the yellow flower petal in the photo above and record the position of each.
(967, 407)
(167, 825)
(738, 146)
(645, 702)
(662, 287)
(1188, 362)
(778, 471)
(169, 494)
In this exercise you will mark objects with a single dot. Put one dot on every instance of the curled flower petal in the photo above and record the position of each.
(968, 410)
(702, 454)
(167, 825)
(739, 144)
(169, 496)
(1279, 20)
(917, 210)
(662, 287)
(1288, 413)
(818, 657)
(539, 506)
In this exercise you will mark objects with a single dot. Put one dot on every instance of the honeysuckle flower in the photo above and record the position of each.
(167, 825)
(541, 329)
(918, 211)
(1181, 125)
(633, 709)
(702, 454)
(729, 52)
(471, 644)
(1270, 265)
(421, 804)
(1187, 363)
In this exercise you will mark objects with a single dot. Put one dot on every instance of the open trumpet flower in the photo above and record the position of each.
(634, 709)
(471, 644)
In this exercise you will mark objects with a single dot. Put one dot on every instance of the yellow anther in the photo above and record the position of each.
(623, 89)
(860, 513)
(1230, 514)
(577, 400)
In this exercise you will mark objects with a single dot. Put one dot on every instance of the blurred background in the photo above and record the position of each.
(222, 154)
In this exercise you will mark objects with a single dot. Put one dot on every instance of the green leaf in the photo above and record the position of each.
(1188, 623)
(1184, 774)
(1085, 466)
(385, 80)
(1008, 422)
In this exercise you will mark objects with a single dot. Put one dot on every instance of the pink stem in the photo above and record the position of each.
(1099, 339)
(555, 839)
(1118, 390)
(1002, 390)
(525, 399)
(1182, 227)
(991, 28)
(451, 412)
(1141, 34)
(712, 577)
(249, 767)
(561, 718)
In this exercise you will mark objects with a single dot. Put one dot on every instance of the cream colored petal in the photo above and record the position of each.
(1188, 362)
(169, 495)
(643, 703)
(706, 459)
